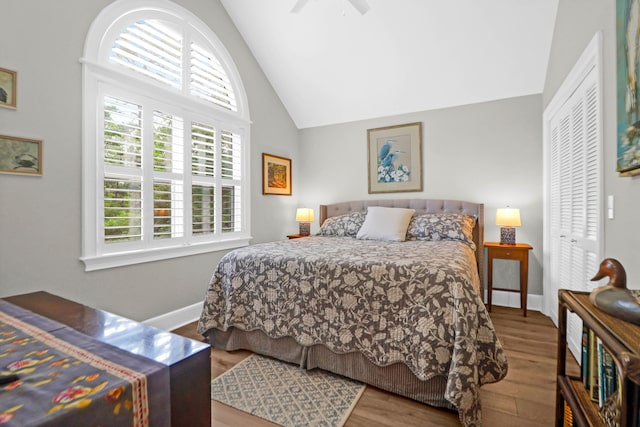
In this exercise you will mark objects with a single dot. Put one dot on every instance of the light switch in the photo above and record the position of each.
(610, 204)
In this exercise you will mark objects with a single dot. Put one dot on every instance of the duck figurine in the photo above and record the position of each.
(614, 298)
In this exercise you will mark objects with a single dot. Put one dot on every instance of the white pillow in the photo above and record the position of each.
(385, 224)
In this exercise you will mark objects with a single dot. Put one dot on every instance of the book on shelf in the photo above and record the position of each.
(608, 380)
(585, 357)
(598, 370)
(593, 368)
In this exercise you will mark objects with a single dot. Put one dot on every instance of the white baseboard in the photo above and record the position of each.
(176, 318)
(512, 299)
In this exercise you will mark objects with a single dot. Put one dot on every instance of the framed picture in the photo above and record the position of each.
(628, 120)
(395, 158)
(8, 88)
(20, 155)
(276, 175)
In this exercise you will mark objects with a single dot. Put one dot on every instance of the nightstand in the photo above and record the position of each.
(517, 252)
(297, 236)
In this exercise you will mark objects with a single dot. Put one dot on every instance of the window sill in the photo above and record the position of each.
(121, 259)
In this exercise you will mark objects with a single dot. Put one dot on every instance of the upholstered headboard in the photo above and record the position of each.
(422, 206)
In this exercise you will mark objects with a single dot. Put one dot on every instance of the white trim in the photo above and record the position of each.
(588, 60)
(177, 318)
(512, 299)
(120, 259)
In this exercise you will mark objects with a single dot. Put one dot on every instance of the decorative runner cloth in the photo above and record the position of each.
(66, 378)
(285, 394)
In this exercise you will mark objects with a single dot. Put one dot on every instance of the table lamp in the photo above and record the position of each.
(304, 216)
(507, 219)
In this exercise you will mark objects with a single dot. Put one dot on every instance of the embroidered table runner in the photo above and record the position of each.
(66, 378)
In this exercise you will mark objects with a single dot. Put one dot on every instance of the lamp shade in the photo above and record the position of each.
(304, 215)
(508, 217)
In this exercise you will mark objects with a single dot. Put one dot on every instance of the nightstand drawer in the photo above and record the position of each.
(508, 253)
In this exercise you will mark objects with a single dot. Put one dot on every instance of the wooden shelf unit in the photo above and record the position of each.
(621, 339)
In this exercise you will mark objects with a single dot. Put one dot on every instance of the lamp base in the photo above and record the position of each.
(305, 228)
(507, 235)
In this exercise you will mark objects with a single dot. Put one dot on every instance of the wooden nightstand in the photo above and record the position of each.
(297, 236)
(518, 252)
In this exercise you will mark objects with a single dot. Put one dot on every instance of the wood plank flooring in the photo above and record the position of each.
(526, 397)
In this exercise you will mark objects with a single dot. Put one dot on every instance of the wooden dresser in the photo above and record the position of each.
(188, 360)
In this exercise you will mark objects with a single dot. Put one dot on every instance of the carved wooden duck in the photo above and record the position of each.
(614, 298)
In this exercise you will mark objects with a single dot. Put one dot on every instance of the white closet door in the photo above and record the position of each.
(573, 226)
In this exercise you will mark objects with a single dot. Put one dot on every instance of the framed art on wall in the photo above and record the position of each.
(628, 119)
(20, 155)
(394, 158)
(8, 87)
(276, 175)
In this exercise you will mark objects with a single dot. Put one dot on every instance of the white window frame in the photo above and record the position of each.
(100, 77)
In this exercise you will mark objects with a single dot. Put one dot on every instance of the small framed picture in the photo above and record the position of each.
(395, 158)
(8, 88)
(276, 175)
(20, 155)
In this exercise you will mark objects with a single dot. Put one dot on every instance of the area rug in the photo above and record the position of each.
(285, 394)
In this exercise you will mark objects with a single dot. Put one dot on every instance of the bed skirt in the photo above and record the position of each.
(396, 378)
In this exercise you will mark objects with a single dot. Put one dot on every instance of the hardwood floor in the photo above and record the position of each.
(526, 397)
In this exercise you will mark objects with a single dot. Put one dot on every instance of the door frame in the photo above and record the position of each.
(590, 60)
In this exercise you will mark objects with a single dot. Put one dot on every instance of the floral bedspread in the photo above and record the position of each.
(413, 302)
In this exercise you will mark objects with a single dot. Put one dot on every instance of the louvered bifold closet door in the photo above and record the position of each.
(575, 196)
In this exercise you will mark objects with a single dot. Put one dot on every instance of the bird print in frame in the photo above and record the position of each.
(20, 155)
(395, 158)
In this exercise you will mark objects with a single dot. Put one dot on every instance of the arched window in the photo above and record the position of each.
(165, 138)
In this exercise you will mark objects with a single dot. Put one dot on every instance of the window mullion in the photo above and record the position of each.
(147, 175)
(100, 173)
(217, 175)
(188, 181)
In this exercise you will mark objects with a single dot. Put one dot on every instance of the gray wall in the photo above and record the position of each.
(577, 22)
(40, 230)
(489, 152)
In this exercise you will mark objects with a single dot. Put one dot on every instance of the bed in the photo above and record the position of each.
(403, 316)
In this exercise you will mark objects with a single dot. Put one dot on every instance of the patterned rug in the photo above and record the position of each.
(285, 394)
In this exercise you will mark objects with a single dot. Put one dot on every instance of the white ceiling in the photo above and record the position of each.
(329, 64)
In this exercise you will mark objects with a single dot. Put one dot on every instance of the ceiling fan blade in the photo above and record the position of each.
(361, 6)
(298, 6)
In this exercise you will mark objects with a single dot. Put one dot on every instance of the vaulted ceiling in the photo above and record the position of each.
(329, 64)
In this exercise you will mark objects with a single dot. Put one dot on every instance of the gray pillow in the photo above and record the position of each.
(445, 226)
(346, 225)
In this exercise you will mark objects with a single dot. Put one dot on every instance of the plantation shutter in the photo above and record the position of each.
(574, 176)
(203, 171)
(122, 154)
(231, 174)
(164, 202)
(150, 48)
(165, 117)
(168, 176)
(209, 81)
